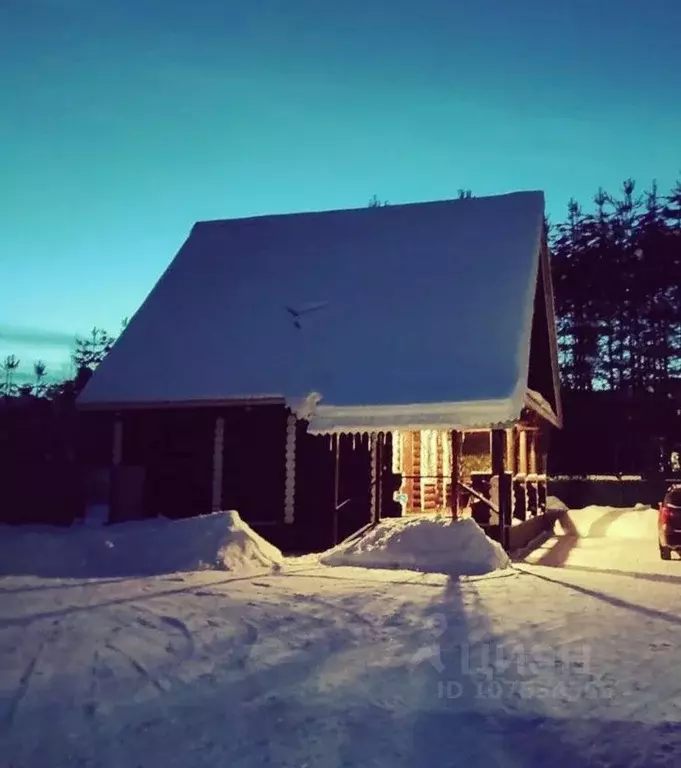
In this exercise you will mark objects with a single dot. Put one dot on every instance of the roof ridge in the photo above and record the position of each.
(391, 206)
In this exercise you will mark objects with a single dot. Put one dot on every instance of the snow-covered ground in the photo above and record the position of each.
(568, 658)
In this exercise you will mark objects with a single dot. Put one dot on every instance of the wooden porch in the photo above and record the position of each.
(499, 475)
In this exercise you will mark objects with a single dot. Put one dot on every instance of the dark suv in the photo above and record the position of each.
(669, 523)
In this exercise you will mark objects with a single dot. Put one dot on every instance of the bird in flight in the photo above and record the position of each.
(305, 309)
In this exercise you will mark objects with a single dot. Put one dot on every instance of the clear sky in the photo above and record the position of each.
(124, 121)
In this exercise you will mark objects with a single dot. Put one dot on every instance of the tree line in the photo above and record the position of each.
(89, 351)
(617, 281)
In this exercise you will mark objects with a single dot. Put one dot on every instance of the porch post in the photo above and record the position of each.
(522, 451)
(510, 450)
(503, 484)
(542, 469)
(218, 445)
(457, 443)
(533, 453)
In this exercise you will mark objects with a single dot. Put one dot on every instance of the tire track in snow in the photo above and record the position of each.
(90, 708)
(333, 606)
(246, 646)
(161, 685)
(27, 675)
(163, 622)
(23, 687)
(178, 624)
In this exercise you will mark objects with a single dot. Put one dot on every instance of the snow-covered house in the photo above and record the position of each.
(319, 370)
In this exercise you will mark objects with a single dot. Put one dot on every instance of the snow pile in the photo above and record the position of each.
(217, 541)
(639, 522)
(426, 543)
(243, 549)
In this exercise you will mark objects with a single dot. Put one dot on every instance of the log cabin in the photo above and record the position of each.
(320, 371)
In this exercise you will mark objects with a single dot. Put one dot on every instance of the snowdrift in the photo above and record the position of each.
(639, 522)
(220, 541)
(431, 544)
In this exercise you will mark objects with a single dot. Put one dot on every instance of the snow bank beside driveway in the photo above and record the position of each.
(220, 541)
(637, 522)
(426, 543)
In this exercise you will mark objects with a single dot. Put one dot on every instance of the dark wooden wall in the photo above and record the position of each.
(254, 468)
(167, 466)
(39, 472)
(314, 492)
(167, 460)
(328, 512)
(173, 449)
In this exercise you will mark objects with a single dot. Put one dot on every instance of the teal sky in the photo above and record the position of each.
(124, 121)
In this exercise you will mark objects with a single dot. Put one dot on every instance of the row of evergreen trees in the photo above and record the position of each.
(617, 282)
(88, 353)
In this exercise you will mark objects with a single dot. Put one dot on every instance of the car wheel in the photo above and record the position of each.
(665, 553)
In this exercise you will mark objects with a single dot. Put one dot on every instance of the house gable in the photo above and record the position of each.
(543, 372)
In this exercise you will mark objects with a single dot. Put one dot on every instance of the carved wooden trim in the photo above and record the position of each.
(290, 481)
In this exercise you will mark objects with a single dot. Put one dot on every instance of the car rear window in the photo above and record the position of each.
(673, 497)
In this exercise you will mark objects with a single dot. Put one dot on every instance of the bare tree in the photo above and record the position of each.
(9, 367)
(376, 203)
(40, 372)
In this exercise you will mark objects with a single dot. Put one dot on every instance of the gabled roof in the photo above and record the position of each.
(419, 304)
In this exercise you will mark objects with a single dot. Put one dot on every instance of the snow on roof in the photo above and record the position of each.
(328, 419)
(425, 303)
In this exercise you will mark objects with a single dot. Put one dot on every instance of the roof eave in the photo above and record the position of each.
(178, 404)
(481, 414)
(535, 402)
